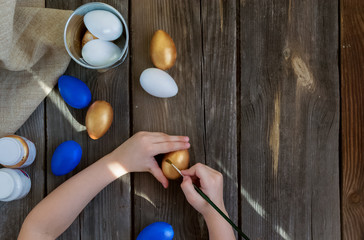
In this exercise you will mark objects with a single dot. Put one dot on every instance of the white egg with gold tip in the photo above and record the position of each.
(158, 83)
(103, 24)
(100, 53)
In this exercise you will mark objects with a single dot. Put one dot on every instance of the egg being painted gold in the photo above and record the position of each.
(87, 37)
(98, 119)
(162, 50)
(180, 159)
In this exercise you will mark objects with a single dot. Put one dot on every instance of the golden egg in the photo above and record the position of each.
(88, 37)
(180, 159)
(162, 50)
(98, 119)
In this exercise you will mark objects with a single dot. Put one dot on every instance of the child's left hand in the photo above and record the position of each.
(55, 213)
(137, 153)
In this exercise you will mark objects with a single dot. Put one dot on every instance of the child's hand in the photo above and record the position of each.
(137, 153)
(210, 182)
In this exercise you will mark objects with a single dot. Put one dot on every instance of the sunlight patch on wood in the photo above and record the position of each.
(304, 75)
(274, 134)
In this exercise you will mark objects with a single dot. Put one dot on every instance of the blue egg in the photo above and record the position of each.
(66, 157)
(74, 92)
(157, 231)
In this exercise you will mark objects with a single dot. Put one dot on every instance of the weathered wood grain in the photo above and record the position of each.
(289, 119)
(352, 115)
(219, 93)
(110, 211)
(12, 214)
(259, 98)
(180, 115)
(60, 127)
(108, 216)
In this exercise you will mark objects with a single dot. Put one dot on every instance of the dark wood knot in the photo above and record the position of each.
(354, 198)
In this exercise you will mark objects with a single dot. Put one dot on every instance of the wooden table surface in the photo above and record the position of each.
(259, 97)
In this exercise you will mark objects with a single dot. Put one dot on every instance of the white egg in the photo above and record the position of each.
(158, 83)
(103, 24)
(100, 53)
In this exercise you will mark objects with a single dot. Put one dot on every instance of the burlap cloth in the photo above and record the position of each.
(32, 57)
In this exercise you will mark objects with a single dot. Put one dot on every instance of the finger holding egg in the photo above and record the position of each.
(180, 159)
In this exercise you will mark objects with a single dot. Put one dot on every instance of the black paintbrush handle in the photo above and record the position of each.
(220, 212)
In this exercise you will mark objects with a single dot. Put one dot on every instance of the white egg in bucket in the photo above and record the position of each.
(158, 83)
(100, 53)
(103, 24)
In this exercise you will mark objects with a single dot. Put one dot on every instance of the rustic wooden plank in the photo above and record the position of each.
(63, 124)
(108, 216)
(182, 114)
(59, 127)
(352, 112)
(219, 94)
(13, 213)
(110, 211)
(289, 119)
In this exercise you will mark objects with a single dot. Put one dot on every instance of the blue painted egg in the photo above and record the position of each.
(66, 157)
(157, 231)
(74, 92)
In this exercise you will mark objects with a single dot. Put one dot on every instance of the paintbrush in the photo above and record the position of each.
(204, 196)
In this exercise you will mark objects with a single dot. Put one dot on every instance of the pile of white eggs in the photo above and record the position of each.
(103, 27)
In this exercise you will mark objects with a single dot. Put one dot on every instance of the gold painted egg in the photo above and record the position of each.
(162, 50)
(87, 37)
(180, 159)
(98, 119)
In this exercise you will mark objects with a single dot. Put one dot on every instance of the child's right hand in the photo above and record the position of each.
(210, 182)
(137, 153)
